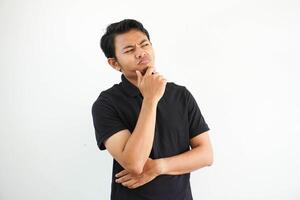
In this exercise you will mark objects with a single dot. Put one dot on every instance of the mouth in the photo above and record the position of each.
(143, 62)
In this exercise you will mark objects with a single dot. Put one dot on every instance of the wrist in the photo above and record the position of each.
(161, 166)
(150, 101)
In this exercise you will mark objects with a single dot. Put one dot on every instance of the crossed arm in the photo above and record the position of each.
(132, 150)
(200, 155)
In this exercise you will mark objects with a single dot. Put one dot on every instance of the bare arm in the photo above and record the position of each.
(201, 155)
(133, 150)
(137, 146)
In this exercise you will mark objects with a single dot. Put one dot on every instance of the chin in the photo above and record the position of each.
(143, 68)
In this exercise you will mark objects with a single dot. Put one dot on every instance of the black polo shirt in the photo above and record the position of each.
(178, 119)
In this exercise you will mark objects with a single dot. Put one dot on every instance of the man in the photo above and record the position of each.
(153, 129)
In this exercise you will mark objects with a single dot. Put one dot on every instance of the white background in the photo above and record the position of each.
(240, 60)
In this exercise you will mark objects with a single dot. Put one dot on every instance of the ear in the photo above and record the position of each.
(114, 64)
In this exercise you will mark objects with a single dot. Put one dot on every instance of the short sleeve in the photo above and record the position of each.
(105, 119)
(197, 124)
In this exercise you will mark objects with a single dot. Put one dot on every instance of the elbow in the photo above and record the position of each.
(135, 168)
(133, 165)
(135, 171)
(210, 160)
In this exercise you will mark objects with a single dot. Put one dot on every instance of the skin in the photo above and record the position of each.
(130, 48)
(201, 155)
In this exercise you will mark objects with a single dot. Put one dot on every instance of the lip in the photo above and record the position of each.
(143, 61)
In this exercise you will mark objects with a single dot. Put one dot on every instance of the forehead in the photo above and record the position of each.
(129, 38)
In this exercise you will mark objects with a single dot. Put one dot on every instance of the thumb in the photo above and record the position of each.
(139, 77)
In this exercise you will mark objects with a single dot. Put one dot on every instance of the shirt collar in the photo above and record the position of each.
(129, 88)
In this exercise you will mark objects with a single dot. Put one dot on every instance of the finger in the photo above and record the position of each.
(129, 183)
(136, 185)
(162, 78)
(124, 178)
(139, 76)
(149, 71)
(122, 173)
(139, 183)
(154, 70)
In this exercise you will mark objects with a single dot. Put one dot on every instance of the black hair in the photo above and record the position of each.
(107, 41)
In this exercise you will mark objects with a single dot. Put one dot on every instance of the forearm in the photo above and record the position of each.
(186, 162)
(139, 144)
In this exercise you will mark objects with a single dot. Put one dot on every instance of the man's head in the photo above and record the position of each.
(127, 46)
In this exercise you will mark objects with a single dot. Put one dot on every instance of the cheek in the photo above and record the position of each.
(151, 52)
(126, 60)
(129, 63)
(152, 55)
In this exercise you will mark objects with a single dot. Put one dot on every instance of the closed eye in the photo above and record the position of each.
(146, 44)
(129, 51)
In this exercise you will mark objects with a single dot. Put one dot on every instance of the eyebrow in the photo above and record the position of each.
(131, 46)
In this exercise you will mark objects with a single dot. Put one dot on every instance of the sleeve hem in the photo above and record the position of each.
(108, 134)
(199, 131)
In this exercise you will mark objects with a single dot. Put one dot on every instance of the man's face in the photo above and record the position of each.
(134, 52)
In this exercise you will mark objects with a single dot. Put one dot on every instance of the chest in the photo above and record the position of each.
(171, 135)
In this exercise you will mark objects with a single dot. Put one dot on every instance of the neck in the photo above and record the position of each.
(132, 80)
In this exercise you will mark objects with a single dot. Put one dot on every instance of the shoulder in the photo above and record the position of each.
(176, 89)
(106, 97)
(175, 95)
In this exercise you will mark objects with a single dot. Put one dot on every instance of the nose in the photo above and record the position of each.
(139, 53)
